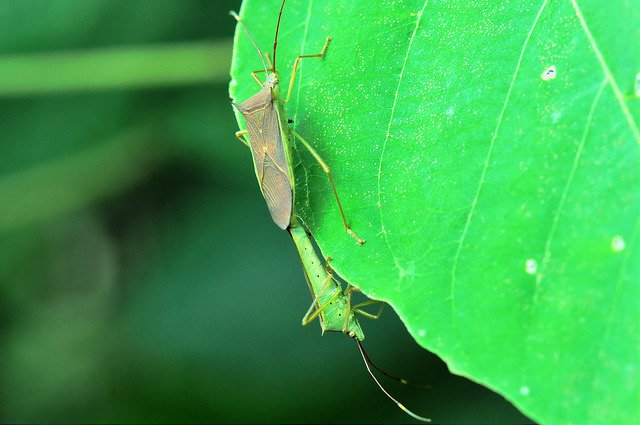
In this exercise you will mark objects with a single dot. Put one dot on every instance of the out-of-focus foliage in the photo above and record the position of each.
(141, 278)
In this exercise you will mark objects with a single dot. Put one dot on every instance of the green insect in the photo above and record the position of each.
(269, 139)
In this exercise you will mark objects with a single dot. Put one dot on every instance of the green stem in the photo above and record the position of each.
(114, 68)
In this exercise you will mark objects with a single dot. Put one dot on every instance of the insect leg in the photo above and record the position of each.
(255, 73)
(297, 62)
(241, 135)
(309, 317)
(347, 314)
(358, 309)
(327, 171)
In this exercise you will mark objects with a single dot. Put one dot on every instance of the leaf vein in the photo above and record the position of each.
(611, 314)
(607, 72)
(563, 198)
(494, 136)
(390, 123)
(302, 47)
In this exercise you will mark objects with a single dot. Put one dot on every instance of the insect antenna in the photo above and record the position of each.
(275, 40)
(400, 405)
(390, 376)
(264, 64)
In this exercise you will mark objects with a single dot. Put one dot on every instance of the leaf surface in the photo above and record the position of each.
(488, 153)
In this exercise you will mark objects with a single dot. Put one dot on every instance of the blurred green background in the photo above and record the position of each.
(141, 277)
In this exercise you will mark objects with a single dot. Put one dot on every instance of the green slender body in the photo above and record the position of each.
(331, 299)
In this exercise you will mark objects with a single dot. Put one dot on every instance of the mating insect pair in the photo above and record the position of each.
(269, 139)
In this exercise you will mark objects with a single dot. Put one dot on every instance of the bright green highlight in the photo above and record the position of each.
(123, 67)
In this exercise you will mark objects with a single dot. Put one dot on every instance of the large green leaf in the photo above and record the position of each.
(488, 152)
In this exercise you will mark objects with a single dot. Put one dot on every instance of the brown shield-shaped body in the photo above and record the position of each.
(269, 149)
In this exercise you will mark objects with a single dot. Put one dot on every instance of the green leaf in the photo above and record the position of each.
(489, 154)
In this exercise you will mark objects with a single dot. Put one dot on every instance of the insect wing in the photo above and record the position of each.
(269, 157)
(276, 190)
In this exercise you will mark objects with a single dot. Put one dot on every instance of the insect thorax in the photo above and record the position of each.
(273, 83)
